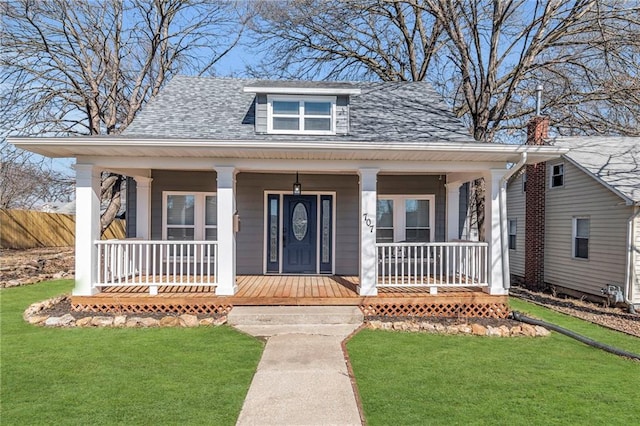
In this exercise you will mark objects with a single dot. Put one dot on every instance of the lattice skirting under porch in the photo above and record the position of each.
(160, 307)
(436, 309)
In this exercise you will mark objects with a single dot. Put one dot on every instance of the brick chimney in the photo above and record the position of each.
(537, 132)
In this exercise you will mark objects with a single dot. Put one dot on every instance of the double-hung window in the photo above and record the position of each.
(557, 175)
(581, 232)
(513, 228)
(189, 216)
(309, 115)
(405, 218)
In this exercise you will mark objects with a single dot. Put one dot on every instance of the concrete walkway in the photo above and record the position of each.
(302, 378)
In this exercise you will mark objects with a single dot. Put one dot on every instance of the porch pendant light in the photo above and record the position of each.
(297, 187)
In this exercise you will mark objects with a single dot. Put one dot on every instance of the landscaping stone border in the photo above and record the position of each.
(36, 314)
(433, 327)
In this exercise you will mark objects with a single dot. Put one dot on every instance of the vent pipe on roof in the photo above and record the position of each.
(538, 99)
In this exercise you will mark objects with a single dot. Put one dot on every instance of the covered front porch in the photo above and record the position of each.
(362, 222)
(297, 290)
(205, 213)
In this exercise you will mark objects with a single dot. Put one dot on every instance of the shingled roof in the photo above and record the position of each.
(614, 161)
(219, 109)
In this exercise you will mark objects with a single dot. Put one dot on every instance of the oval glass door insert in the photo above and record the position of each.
(299, 221)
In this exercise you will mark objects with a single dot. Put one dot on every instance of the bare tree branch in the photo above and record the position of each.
(78, 67)
(486, 57)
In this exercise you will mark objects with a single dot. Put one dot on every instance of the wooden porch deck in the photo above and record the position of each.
(296, 290)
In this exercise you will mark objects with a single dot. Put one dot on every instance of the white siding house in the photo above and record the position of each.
(592, 217)
(517, 223)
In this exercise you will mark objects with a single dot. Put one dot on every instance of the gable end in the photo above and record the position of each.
(626, 199)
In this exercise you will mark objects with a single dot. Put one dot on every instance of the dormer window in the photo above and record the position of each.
(301, 115)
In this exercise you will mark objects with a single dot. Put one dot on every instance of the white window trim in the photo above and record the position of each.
(400, 216)
(199, 226)
(551, 175)
(300, 115)
(574, 232)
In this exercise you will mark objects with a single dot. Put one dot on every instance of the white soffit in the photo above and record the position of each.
(317, 150)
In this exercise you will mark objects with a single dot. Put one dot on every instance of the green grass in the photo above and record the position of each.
(118, 376)
(422, 379)
(593, 331)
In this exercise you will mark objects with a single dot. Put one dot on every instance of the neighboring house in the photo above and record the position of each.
(277, 178)
(591, 215)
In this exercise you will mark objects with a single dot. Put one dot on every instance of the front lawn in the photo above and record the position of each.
(118, 376)
(423, 379)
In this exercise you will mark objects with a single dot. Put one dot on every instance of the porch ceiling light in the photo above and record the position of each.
(297, 186)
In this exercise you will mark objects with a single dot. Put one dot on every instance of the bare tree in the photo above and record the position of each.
(83, 67)
(342, 39)
(25, 183)
(484, 57)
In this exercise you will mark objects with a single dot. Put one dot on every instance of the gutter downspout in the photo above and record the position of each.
(504, 244)
(630, 259)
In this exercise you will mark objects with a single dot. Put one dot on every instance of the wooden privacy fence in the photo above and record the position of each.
(21, 229)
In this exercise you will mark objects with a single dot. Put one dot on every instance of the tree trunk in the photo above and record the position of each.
(112, 192)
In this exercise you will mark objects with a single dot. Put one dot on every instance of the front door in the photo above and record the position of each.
(299, 229)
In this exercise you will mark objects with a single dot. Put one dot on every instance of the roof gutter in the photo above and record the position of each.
(504, 244)
(537, 154)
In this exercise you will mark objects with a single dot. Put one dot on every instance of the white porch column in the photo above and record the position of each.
(368, 254)
(143, 207)
(493, 225)
(87, 228)
(226, 260)
(453, 210)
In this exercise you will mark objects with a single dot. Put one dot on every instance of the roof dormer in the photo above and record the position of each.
(301, 107)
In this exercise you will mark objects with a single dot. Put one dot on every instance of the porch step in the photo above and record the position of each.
(294, 315)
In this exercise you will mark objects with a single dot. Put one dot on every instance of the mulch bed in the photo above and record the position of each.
(493, 322)
(607, 316)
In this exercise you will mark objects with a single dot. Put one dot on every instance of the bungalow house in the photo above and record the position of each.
(585, 210)
(249, 191)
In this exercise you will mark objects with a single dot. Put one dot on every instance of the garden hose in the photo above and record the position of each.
(522, 318)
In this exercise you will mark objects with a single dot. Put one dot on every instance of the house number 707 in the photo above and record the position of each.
(368, 221)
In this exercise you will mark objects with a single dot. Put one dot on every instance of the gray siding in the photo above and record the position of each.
(342, 115)
(165, 180)
(130, 215)
(516, 210)
(582, 196)
(463, 206)
(250, 204)
(250, 190)
(261, 113)
(419, 185)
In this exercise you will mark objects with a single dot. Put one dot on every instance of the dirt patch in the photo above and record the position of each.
(492, 322)
(606, 316)
(20, 267)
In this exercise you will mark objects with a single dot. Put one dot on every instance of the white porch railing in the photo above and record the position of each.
(454, 264)
(153, 263)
